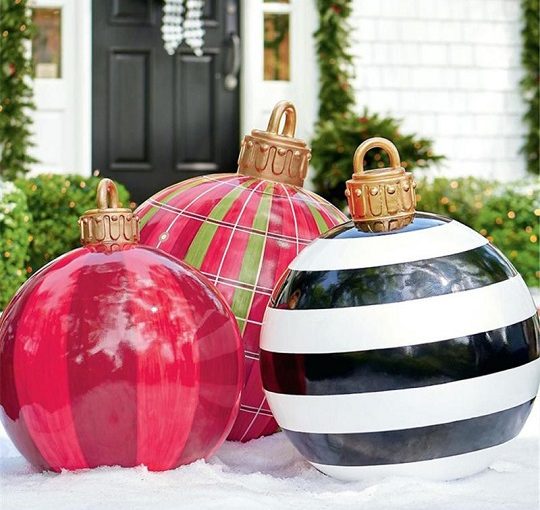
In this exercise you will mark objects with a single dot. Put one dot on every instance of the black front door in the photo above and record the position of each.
(158, 119)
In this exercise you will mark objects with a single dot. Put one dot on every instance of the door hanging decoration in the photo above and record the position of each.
(182, 21)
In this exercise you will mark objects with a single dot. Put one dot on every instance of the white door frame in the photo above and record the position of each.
(84, 87)
(67, 99)
(257, 97)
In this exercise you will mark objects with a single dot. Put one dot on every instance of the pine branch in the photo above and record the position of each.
(530, 84)
(16, 94)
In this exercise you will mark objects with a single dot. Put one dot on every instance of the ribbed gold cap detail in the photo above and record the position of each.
(382, 199)
(109, 224)
(276, 156)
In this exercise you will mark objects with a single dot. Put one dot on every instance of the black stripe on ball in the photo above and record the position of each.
(412, 445)
(472, 269)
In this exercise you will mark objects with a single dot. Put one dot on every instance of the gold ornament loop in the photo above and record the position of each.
(109, 226)
(107, 195)
(278, 157)
(380, 199)
(373, 143)
(283, 108)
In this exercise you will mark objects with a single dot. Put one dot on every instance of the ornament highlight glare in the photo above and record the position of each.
(241, 231)
(399, 343)
(118, 354)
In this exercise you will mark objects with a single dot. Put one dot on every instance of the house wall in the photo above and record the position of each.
(451, 70)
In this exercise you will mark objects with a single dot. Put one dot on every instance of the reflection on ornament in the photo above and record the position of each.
(399, 343)
(241, 230)
(118, 354)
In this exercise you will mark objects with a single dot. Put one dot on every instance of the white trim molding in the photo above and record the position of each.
(259, 96)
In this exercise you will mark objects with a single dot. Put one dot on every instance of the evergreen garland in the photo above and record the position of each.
(335, 63)
(530, 84)
(340, 129)
(16, 94)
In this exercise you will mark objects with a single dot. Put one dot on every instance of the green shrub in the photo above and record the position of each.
(55, 202)
(336, 141)
(14, 240)
(506, 213)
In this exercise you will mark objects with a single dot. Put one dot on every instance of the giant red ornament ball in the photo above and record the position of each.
(118, 354)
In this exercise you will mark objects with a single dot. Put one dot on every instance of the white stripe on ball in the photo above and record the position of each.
(445, 468)
(387, 249)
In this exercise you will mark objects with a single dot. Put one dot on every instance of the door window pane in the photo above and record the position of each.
(276, 46)
(47, 43)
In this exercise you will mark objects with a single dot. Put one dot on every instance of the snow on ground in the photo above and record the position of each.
(269, 474)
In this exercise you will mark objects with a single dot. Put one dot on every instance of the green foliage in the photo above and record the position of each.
(14, 240)
(335, 63)
(16, 71)
(340, 130)
(530, 84)
(506, 213)
(55, 202)
(337, 139)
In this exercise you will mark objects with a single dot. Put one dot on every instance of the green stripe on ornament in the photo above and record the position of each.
(190, 183)
(252, 260)
(148, 216)
(201, 242)
(321, 224)
(175, 190)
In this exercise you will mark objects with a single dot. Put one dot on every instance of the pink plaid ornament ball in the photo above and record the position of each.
(241, 231)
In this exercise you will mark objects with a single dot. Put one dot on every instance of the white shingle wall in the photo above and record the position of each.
(450, 69)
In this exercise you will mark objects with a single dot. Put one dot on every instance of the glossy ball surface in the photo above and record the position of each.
(241, 232)
(409, 353)
(118, 358)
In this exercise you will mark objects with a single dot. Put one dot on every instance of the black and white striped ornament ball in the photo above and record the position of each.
(401, 342)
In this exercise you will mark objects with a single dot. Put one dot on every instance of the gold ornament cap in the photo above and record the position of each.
(382, 199)
(276, 156)
(109, 225)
